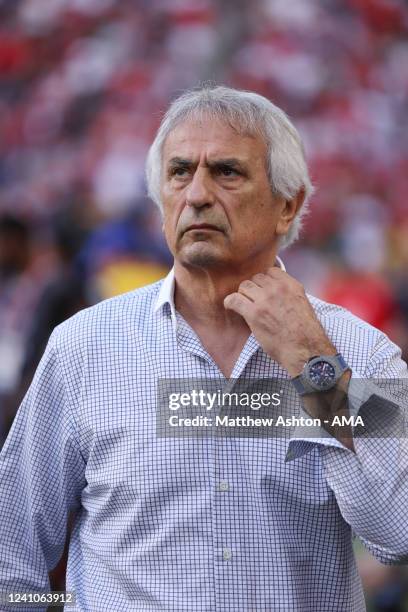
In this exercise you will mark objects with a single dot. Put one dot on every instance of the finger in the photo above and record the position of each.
(238, 303)
(285, 281)
(250, 290)
(261, 279)
(276, 273)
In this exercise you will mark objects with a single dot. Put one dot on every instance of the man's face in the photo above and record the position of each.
(217, 200)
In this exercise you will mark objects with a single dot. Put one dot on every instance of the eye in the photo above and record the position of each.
(227, 171)
(179, 171)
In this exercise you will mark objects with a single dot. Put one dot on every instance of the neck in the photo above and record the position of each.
(200, 293)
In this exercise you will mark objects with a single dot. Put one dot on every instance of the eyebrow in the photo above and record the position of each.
(179, 161)
(230, 162)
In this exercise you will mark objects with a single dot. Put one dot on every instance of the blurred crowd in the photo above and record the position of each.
(82, 89)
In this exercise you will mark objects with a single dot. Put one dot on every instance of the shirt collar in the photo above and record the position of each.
(166, 293)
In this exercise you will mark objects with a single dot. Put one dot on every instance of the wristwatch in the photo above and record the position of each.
(320, 373)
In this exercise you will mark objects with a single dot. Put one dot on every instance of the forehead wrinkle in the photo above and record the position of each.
(193, 133)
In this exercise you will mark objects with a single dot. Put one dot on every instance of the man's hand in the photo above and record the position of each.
(280, 316)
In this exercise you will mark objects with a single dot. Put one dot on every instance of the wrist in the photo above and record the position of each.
(295, 362)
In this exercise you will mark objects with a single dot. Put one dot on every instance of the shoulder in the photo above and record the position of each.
(343, 322)
(117, 314)
(332, 314)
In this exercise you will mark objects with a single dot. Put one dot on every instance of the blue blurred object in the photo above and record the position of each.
(129, 236)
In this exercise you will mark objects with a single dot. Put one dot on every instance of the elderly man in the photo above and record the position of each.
(208, 522)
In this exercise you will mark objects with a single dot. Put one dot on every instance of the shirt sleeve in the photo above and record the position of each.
(371, 484)
(41, 479)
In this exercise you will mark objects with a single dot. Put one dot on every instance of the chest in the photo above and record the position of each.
(156, 478)
(127, 455)
(224, 348)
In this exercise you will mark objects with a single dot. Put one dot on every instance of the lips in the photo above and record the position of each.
(202, 226)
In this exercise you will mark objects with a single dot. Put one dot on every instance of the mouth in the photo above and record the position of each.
(203, 226)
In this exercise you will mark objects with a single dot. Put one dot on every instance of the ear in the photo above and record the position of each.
(289, 210)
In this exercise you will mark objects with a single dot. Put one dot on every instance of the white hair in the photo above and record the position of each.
(250, 114)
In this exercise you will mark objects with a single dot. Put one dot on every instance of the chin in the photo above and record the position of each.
(201, 257)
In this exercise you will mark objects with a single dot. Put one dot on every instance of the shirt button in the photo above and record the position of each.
(223, 485)
(226, 554)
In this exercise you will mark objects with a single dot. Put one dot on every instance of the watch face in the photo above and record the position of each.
(322, 374)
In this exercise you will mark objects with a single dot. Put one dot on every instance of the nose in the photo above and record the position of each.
(199, 191)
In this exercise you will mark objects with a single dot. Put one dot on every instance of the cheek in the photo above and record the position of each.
(169, 235)
(170, 221)
(168, 225)
(172, 202)
(252, 221)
